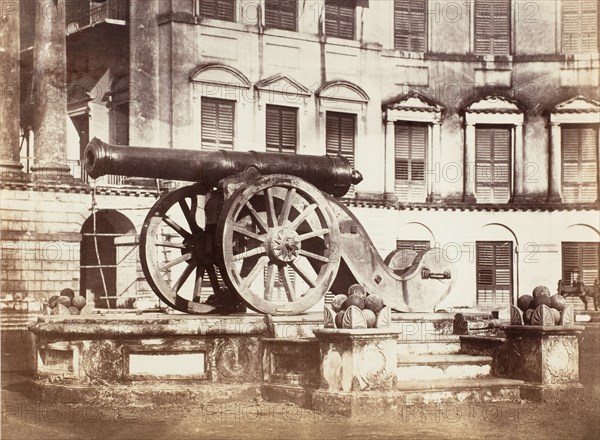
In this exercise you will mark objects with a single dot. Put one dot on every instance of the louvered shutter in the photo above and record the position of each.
(340, 18)
(410, 147)
(410, 25)
(217, 123)
(492, 164)
(413, 245)
(580, 259)
(492, 27)
(218, 9)
(281, 14)
(579, 146)
(579, 26)
(494, 272)
(281, 128)
(340, 129)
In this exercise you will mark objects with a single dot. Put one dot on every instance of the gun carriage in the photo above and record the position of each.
(270, 224)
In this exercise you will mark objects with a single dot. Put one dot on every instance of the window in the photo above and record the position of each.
(217, 120)
(410, 146)
(580, 261)
(494, 272)
(218, 9)
(339, 18)
(492, 27)
(281, 14)
(492, 164)
(340, 129)
(579, 26)
(410, 25)
(282, 123)
(579, 163)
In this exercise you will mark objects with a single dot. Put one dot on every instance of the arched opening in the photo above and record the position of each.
(100, 256)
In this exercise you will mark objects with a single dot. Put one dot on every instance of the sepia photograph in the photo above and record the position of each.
(299, 219)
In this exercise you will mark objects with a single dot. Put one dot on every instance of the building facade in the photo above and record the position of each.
(475, 125)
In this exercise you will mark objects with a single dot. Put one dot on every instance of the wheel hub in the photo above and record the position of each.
(284, 244)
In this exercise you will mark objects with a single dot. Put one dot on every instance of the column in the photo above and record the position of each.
(435, 165)
(145, 110)
(50, 91)
(554, 187)
(10, 166)
(390, 160)
(519, 164)
(469, 174)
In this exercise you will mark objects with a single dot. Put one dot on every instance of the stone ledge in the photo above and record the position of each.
(549, 393)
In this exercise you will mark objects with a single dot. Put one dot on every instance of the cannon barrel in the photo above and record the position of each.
(331, 174)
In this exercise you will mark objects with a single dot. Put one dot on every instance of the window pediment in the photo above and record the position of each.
(494, 104)
(220, 74)
(413, 102)
(578, 104)
(343, 91)
(282, 84)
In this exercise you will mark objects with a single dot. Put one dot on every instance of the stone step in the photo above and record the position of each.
(446, 346)
(485, 389)
(442, 366)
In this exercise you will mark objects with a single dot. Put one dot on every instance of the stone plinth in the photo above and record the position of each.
(545, 357)
(358, 359)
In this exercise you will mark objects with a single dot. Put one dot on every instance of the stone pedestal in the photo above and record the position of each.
(545, 357)
(358, 369)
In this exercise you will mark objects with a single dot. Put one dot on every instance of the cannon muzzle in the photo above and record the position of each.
(331, 174)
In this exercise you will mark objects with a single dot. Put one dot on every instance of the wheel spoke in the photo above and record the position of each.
(284, 277)
(257, 217)
(287, 206)
(250, 253)
(312, 234)
(188, 215)
(309, 209)
(173, 224)
(183, 277)
(313, 256)
(247, 233)
(303, 274)
(194, 209)
(170, 244)
(198, 283)
(175, 262)
(270, 207)
(270, 282)
(255, 271)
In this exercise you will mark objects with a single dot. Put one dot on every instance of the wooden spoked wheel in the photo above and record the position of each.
(177, 255)
(280, 244)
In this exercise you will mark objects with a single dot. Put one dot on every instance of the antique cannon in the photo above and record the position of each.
(268, 224)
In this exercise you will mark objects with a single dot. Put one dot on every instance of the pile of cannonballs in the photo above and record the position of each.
(541, 308)
(357, 310)
(67, 303)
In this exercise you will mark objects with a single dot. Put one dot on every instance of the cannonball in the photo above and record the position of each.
(558, 302)
(556, 315)
(540, 290)
(79, 302)
(53, 301)
(73, 310)
(354, 300)
(68, 293)
(539, 300)
(338, 302)
(370, 317)
(374, 303)
(357, 289)
(64, 300)
(524, 302)
(339, 318)
(527, 316)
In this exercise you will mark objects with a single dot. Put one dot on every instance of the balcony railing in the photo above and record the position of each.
(82, 14)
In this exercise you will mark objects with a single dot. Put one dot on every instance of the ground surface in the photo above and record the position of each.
(577, 417)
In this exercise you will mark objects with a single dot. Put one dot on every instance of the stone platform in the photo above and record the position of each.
(152, 358)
